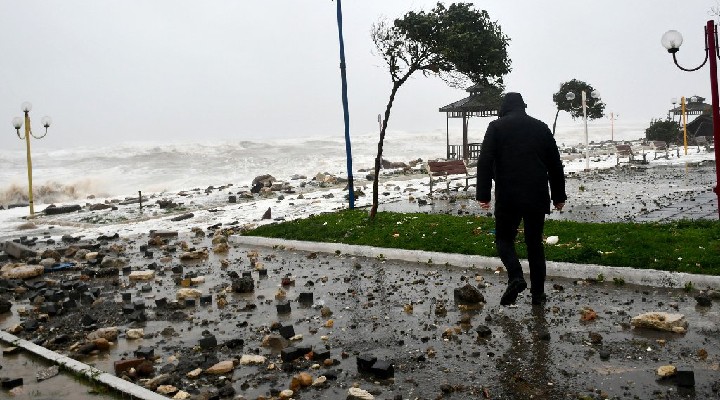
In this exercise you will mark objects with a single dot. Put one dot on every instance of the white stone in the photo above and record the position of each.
(132, 334)
(661, 321)
(666, 370)
(359, 394)
(181, 395)
(110, 334)
(91, 256)
(286, 394)
(144, 275)
(197, 280)
(187, 293)
(166, 389)
(222, 367)
(21, 271)
(250, 359)
(194, 373)
(552, 240)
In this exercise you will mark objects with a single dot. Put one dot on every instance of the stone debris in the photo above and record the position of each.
(21, 271)
(145, 275)
(359, 394)
(666, 371)
(133, 334)
(188, 293)
(661, 321)
(222, 367)
(252, 359)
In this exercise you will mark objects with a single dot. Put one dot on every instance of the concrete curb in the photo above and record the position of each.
(89, 372)
(648, 277)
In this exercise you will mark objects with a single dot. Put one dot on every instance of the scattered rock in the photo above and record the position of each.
(468, 294)
(21, 271)
(661, 321)
(220, 368)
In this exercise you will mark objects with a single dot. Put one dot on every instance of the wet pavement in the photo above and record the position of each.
(404, 313)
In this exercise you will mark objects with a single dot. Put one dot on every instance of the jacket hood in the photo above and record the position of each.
(512, 102)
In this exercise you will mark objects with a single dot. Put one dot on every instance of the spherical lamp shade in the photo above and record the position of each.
(26, 106)
(672, 40)
(570, 96)
(17, 122)
(595, 94)
(46, 121)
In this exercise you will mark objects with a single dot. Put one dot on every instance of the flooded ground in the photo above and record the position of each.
(404, 313)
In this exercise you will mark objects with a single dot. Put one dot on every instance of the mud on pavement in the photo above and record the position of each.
(197, 316)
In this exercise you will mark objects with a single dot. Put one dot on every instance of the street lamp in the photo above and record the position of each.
(570, 96)
(674, 101)
(672, 40)
(18, 123)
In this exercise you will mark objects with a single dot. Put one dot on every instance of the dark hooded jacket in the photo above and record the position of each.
(520, 154)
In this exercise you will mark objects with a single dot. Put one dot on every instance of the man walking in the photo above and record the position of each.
(520, 154)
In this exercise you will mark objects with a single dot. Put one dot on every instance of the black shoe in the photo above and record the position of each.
(511, 293)
(538, 298)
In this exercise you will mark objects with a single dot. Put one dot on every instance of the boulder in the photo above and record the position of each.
(54, 210)
(661, 321)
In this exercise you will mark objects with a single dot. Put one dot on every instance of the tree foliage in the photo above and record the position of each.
(663, 130)
(458, 44)
(595, 107)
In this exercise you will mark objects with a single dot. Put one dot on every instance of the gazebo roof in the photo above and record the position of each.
(696, 107)
(482, 102)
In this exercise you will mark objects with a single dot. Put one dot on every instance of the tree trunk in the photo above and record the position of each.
(378, 159)
(555, 122)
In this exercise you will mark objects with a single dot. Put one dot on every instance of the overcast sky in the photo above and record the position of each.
(111, 71)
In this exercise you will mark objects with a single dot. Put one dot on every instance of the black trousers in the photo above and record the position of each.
(506, 230)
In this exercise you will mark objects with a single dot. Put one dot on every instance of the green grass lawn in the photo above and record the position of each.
(683, 246)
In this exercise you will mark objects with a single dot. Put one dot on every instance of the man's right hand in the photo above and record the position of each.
(559, 206)
(485, 205)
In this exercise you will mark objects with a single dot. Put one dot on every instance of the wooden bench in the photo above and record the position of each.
(659, 147)
(624, 150)
(448, 171)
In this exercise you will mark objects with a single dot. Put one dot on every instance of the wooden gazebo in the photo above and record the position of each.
(484, 101)
(694, 105)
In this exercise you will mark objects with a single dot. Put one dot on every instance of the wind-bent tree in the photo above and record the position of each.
(663, 130)
(456, 43)
(595, 107)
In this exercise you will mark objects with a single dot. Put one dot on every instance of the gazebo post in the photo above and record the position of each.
(465, 136)
(447, 135)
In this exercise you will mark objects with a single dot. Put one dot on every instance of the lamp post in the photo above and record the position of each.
(570, 96)
(672, 40)
(613, 117)
(18, 123)
(672, 110)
